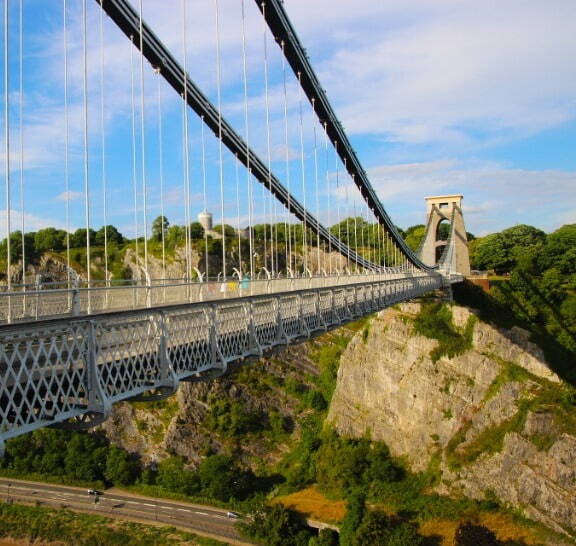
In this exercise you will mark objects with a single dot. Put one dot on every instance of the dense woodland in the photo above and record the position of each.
(166, 238)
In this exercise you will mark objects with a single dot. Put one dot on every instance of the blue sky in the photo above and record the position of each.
(437, 97)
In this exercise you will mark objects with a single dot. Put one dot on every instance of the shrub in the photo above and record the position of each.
(275, 525)
(231, 418)
(435, 322)
(221, 479)
(355, 512)
(173, 477)
(121, 468)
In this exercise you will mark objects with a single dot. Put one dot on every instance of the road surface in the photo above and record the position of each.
(204, 520)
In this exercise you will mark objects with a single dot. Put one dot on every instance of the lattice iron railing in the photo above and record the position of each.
(55, 301)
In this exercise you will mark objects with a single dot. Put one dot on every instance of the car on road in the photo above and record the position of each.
(232, 515)
(94, 492)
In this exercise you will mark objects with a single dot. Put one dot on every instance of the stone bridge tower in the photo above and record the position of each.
(445, 208)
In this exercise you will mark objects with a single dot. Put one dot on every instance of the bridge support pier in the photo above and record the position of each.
(219, 363)
(98, 404)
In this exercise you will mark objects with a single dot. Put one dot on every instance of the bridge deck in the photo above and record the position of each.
(60, 300)
(76, 367)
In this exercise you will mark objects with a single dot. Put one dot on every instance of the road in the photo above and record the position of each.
(204, 520)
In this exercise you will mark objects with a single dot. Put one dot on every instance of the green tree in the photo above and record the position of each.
(355, 512)
(16, 247)
(380, 467)
(112, 235)
(443, 231)
(229, 231)
(315, 399)
(121, 468)
(326, 537)
(404, 534)
(414, 235)
(50, 239)
(172, 476)
(221, 479)
(341, 463)
(160, 225)
(86, 457)
(196, 231)
(275, 525)
(560, 250)
(501, 251)
(176, 235)
(374, 529)
(233, 418)
(490, 253)
(78, 238)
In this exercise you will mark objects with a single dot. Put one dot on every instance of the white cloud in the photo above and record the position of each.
(69, 196)
(31, 222)
(456, 72)
(495, 196)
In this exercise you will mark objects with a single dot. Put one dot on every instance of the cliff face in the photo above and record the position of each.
(495, 420)
(252, 411)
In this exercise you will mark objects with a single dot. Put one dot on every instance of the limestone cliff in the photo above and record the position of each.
(495, 420)
(269, 390)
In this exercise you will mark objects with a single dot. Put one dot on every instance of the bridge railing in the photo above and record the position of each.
(55, 299)
(73, 369)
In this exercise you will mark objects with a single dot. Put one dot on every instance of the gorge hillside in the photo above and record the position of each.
(481, 407)
(472, 410)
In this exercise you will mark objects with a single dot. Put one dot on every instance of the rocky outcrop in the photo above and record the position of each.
(493, 415)
(179, 426)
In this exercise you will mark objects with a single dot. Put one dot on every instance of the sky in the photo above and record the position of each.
(436, 97)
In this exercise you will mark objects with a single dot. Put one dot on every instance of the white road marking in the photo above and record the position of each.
(58, 496)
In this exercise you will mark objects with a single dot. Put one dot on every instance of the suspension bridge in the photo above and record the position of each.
(304, 243)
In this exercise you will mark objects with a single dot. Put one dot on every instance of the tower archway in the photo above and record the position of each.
(444, 222)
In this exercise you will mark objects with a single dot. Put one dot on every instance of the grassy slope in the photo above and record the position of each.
(65, 526)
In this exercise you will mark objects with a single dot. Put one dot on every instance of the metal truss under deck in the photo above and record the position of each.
(69, 371)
